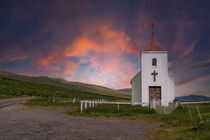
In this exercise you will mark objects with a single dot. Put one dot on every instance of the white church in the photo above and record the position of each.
(153, 82)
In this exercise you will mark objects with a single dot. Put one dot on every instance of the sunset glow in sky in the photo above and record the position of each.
(99, 41)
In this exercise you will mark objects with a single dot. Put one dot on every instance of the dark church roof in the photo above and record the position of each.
(153, 45)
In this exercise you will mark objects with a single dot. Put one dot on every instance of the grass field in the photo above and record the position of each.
(15, 88)
(177, 125)
(60, 84)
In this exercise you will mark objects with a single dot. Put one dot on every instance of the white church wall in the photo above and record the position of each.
(136, 88)
(161, 78)
(171, 88)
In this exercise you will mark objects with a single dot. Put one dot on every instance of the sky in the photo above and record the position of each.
(99, 41)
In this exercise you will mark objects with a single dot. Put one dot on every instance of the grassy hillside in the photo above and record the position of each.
(46, 86)
(126, 90)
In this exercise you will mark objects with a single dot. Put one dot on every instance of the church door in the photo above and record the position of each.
(155, 94)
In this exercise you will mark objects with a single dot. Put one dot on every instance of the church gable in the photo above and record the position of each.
(137, 76)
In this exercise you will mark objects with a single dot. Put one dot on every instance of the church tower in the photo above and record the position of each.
(153, 82)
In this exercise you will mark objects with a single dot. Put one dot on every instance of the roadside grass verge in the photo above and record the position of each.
(44, 101)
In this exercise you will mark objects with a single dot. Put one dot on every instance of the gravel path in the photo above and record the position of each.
(18, 122)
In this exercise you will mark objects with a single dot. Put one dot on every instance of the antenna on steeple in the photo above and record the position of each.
(152, 29)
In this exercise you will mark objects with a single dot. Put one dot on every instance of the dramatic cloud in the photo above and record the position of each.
(99, 42)
(103, 47)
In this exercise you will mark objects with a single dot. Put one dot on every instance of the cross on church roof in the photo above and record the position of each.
(153, 44)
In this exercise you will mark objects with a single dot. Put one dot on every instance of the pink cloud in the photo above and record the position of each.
(102, 46)
(123, 77)
(13, 55)
(18, 58)
(69, 67)
(189, 49)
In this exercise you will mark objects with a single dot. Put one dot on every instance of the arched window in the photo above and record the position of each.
(154, 62)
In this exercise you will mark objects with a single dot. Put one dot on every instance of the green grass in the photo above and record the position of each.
(111, 111)
(52, 102)
(61, 83)
(177, 125)
(16, 88)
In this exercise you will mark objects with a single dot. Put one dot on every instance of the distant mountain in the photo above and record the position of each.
(126, 90)
(193, 98)
(59, 82)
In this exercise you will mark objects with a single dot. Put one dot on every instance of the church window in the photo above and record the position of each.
(154, 62)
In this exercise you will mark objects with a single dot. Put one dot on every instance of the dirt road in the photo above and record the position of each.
(19, 122)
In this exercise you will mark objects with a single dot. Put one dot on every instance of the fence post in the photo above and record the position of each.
(118, 107)
(81, 107)
(90, 104)
(189, 112)
(74, 100)
(199, 114)
(85, 105)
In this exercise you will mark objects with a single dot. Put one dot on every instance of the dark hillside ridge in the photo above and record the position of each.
(193, 98)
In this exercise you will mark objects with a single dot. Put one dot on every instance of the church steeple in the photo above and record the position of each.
(153, 44)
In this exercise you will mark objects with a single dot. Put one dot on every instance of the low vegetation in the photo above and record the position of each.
(63, 84)
(15, 88)
(51, 101)
(182, 123)
(111, 111)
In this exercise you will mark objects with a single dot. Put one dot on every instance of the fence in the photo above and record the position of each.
(185, 106)
(92, 103)
(160, 109)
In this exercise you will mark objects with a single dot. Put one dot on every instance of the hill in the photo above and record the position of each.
(193, 98)
(126, 90)
(61, 83)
